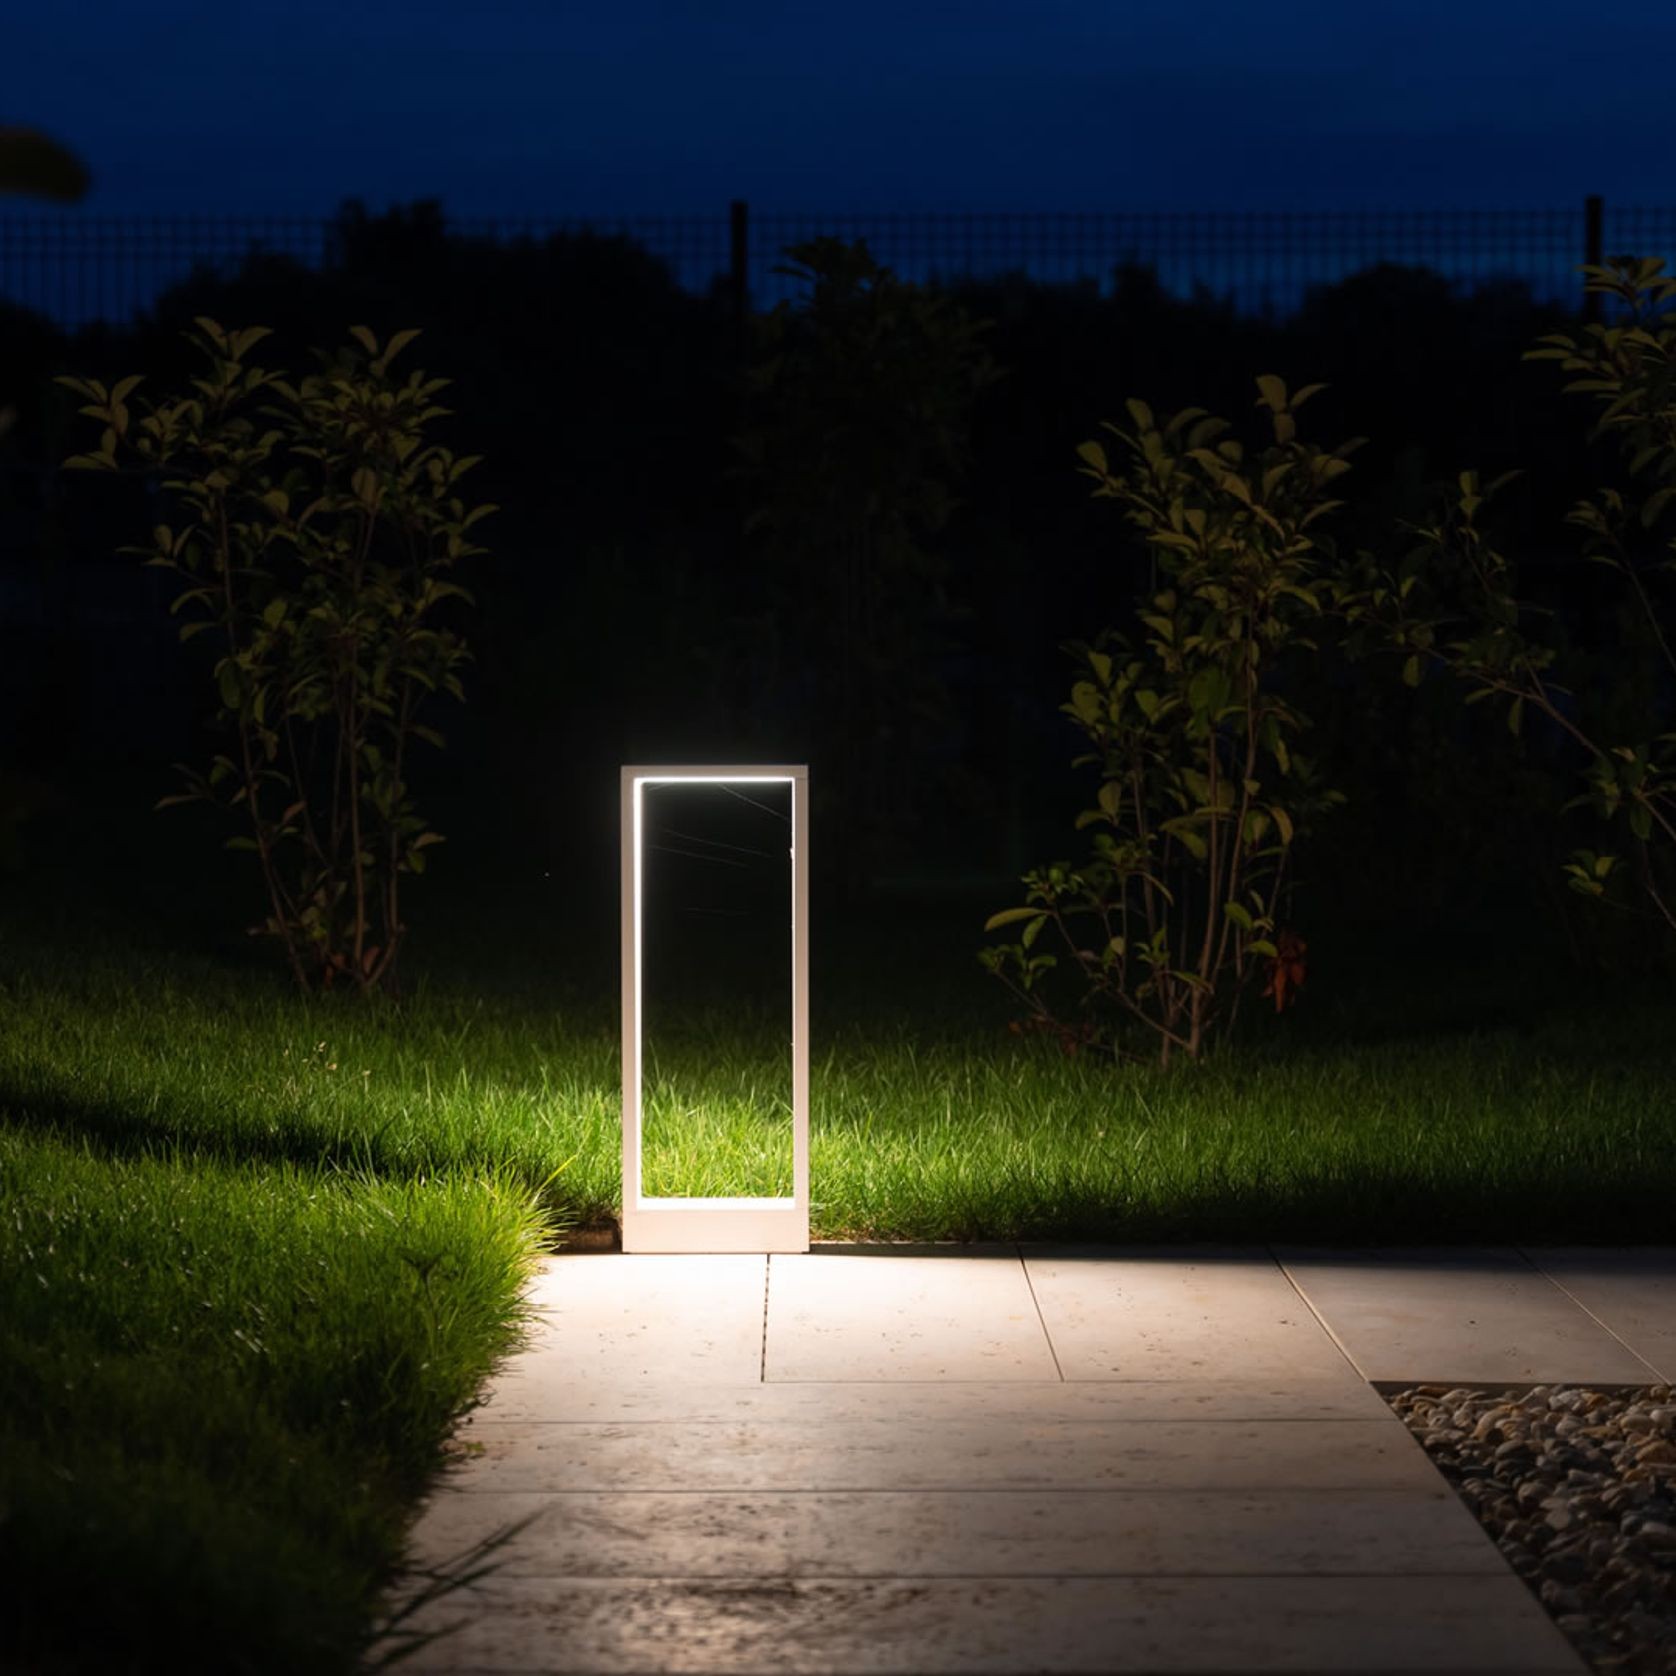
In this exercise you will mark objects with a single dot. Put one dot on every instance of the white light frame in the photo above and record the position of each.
(715, 1224)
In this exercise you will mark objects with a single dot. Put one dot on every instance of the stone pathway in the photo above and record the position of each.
(1005, 1461)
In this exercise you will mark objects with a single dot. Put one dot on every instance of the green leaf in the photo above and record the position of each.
(1240, 915)
(1190, 840)
(1272, 392)
(1411, 670)
(1208, 691)
(1092, 454)
(1515, 715)
(396, 345)
(1655, 505)
(1085, 702)
(1011, 916)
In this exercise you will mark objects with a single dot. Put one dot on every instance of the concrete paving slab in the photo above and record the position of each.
(916, 1487)
(1178, 1313)
(844, 1317)
(1632, 1293)
(954, 1453)
(1464, 1315)
(537, 1386)
(1117, 1626)
(966, 1533)
(673, 1319)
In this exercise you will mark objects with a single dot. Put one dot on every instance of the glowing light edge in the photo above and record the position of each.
(641, 1202)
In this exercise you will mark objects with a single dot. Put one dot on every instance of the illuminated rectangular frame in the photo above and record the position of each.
(718, 1224)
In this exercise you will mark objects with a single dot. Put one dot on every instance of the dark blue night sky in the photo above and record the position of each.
(673, 106)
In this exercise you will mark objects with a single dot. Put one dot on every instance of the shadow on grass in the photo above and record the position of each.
(58, 1113)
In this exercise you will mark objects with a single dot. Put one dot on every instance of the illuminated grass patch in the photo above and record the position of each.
(1558, 1127)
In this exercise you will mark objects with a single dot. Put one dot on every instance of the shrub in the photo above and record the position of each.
(1458, 602)
(314, 528)
(1202, 790)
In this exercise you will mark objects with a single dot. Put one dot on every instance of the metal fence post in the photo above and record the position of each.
(1594, 218)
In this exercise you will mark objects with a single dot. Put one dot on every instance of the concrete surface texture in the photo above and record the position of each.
(1010, 1460)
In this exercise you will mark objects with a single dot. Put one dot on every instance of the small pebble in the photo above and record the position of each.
(1578, 1488)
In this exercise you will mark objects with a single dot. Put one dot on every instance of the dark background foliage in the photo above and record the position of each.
(622, 606)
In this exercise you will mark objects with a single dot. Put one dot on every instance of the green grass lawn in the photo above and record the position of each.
(257, 1252)
(1557, 1125)
(221, 1387)
(230, 1356)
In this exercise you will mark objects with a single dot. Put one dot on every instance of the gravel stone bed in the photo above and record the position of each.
(1578, 1488)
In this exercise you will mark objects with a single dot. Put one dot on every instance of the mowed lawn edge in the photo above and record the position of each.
(223, 1387)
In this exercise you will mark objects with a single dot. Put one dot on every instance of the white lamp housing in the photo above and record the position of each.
(714, 1224)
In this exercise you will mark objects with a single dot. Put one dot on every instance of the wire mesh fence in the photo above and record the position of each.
(1256, 261)
(77, 269)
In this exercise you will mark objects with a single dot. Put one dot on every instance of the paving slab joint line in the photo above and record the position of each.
(1572, 1298)
(1325, 1325)
(767, 1281)
(1053, 1349)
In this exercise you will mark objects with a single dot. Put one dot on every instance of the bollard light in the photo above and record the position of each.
(742, 1224)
